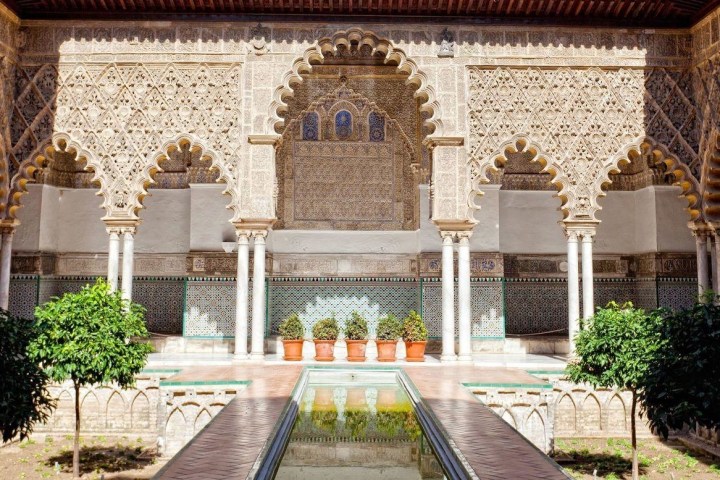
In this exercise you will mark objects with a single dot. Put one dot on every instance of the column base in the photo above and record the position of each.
(241, 357)
(466, 358)
(258, 357)
(448, 358)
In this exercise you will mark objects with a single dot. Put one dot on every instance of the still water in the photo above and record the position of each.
(347, 430)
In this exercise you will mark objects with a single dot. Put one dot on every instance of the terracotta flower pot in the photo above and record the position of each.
(386, 350)
(356, 350)
(293, 349)
(386, 398)
(415, 351)
(324, 350)
(355, 399)
(324, 398)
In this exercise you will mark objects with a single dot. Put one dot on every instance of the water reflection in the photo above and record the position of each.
(357, 432)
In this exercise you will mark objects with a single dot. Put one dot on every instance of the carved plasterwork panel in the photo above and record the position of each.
(576, 121)
(124, 115)
(337, 171)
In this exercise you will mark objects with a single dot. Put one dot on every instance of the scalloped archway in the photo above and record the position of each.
(356, 37)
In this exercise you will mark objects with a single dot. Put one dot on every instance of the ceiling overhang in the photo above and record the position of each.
(615, 13)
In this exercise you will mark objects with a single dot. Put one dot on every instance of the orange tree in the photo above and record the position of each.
(90, 337)
(613, 350)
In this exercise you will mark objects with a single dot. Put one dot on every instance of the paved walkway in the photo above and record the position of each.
(492, 448)
(231, 444)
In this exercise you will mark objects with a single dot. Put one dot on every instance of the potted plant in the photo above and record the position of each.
(292, 332)
(325, 334)
(388, 331)
(415, 336)
(356, 337)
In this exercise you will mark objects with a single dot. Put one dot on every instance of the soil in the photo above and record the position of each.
(612, 458)
(51, 457)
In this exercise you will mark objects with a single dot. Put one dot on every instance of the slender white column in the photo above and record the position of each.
(258, 307)
(702, 263)
(587, 274)
(464, 307)
(128, 262)
(5, 257)
(573, 288)
(448, 299)
(113, 258)
(241, 309)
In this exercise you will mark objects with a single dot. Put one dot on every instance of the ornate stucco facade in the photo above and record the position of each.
(455, 140)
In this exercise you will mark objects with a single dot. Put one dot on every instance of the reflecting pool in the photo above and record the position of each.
(357, 426)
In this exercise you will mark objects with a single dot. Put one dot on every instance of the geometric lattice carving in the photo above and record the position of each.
(486, 300)
(128, 115)
(316, 301)
(577, 120)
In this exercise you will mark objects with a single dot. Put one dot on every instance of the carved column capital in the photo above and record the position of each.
(464, 236)
(259, 235)
(447, 237)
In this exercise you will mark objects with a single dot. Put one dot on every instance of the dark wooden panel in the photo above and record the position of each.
(670, 13)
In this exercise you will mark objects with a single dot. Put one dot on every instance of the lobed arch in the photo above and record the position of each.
(520, 143)
(712, 180)
(356, 37)
(661, 156)
(41, 158)
(185, 141)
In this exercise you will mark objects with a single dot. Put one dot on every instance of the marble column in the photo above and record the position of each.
(241, 308)
(448, 299)
(464, 305)
(258, 306)
(113, 258)
(5, 263)
(573, 288)
(587, 274)
(128, 261)
(702, 261)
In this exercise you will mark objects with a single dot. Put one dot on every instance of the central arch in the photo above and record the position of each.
(349, 40)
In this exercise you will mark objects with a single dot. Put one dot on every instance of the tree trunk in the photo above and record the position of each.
(633, 434)
(76, 445)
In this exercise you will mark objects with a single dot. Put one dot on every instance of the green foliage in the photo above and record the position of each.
(91, 337)
(615, 347)
(414, 329)
(356, 328)
(24, 398)
(390, 423)
(325, 329)
(356, 421)
(292, 328)
(325, 420)
(389, 328)
(681, 386)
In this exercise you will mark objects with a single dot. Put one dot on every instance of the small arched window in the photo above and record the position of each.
(343, 124)
(310, 129)
(376, 127)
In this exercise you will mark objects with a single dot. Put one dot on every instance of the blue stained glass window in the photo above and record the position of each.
(377, 127)
(343, 124)
(310, 129)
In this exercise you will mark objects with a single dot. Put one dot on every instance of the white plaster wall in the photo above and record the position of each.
(27, 235)
(209, 223)
(673, 234)
(79, 222)
(486, 234)
(616, 231)
(165, 226)
(529, 222)
(646, 237)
